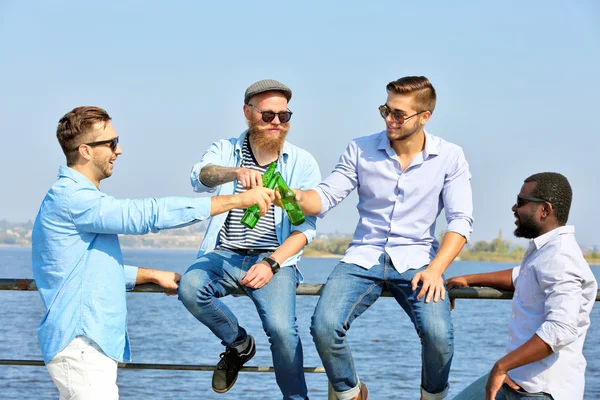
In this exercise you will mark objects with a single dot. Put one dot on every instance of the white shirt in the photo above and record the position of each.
(555, 291)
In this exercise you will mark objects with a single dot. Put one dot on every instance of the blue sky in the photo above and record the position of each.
(516, 81)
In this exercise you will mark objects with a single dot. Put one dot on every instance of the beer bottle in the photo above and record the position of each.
(252, 214)
(288, 201)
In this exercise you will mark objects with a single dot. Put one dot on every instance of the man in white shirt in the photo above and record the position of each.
(554, 292)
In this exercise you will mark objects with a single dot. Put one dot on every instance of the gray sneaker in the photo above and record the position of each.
(227, 369)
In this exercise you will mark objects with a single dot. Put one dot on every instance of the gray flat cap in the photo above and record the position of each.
(267, 85)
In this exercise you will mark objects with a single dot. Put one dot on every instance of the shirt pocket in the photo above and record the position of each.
(527, 288)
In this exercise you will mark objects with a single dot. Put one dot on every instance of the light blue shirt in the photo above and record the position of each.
(397, 210)
(77, 261)
(555, 291)
(297, 167)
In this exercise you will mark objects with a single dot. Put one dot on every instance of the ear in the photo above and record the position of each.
(546, 210)
(85, 152)
(247, 112)
(425, 117)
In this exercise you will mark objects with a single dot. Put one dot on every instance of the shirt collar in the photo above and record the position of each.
(542, 240)
(240, 142)
(76, 176)
(432, 145)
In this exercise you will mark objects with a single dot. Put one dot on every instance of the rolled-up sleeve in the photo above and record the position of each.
(563, 304)
(130, 276)
(311, 178)
(94, 212)
(342, 181)
(458, 198)
(214, 155)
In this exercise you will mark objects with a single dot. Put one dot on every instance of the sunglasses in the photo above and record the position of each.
(522, 200)
(113, 143)
(400, 119)
(268, 116)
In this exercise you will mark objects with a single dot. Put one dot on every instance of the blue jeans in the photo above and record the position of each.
(217, 274)
(476, 391)
(349, 291)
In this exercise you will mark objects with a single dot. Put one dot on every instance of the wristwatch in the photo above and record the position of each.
(273, 264)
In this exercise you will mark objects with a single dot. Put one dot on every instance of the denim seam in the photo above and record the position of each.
(412, 311)
(219, 309)
(370, 289)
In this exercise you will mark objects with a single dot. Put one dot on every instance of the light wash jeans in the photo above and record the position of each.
(217, 274)
(81, 371)
(476, 391)
(349, 291)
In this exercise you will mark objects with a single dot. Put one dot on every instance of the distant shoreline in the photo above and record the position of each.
(316, 254)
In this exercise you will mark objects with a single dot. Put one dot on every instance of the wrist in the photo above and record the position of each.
(500, 367)
(272, 263)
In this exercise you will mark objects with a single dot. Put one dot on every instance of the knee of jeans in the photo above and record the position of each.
(439, 334)
(281, 332)
(325, 328)
(191, 287)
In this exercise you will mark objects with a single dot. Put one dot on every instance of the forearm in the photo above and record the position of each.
(146, 275)
(310, 202)
(500, 280)
(451, 245)
(291, 246)
(533, 350)
(221, 204)
(215, 175)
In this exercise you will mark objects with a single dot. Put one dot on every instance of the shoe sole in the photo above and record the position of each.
(235, 380)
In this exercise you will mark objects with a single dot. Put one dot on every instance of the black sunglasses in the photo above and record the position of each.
(400, 119)
(522, 200)
(113, 143)
(268, 116)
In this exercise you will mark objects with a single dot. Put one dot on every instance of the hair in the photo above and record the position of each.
(77, 124)
(555, 189)
(417, 86)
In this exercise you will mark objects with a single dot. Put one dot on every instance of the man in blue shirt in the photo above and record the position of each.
(404, 177)
(234, 257)
(77, 261)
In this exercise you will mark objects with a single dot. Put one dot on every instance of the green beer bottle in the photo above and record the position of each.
(252, 214)
(288, 201)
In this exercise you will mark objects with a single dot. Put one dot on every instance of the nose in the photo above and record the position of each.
(514, 208)
(119, 149)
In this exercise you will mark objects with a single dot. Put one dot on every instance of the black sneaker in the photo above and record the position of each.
(231, 362)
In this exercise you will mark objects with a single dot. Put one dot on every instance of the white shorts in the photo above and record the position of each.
(81, 371)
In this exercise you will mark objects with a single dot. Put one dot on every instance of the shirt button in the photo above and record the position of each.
(510, 338)
(513, 315)
(516, 293)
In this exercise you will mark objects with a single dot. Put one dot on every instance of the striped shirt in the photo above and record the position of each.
(234, 235)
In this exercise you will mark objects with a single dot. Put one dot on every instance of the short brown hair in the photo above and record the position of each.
(77, 124)
(419, 87)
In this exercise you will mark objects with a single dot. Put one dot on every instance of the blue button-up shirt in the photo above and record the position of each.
(297, 167)
(77, 261)
(555, 291)
(398, 209)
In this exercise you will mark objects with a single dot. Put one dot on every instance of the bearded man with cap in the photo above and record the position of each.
(260, 261)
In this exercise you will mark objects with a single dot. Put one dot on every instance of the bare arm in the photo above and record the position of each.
(500, 280)
(533, 350)
(166, 279)
(433, 282)
(259, 195)
(214, 175)
(309, 201)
